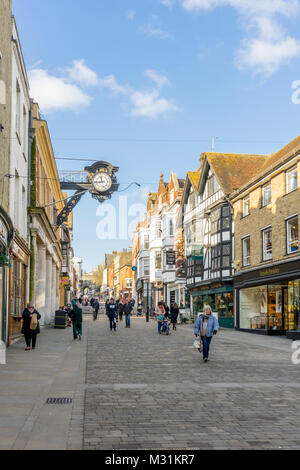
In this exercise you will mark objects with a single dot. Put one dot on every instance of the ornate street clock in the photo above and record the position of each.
(101, 182)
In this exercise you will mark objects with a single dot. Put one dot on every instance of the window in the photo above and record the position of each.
(267, 243)
(158, 229)
(18, 108)
(226, 255)
(246, 206)
(292, 235)
(266, 194)
(246, 251)
(291, 179)
(146, 267)
(158, 260)
(171, 228)
(25, 133)
(146, 242)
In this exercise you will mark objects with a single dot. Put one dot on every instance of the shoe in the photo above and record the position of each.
(32, 348)
(205, 359)
(27, 349)
(79, 337)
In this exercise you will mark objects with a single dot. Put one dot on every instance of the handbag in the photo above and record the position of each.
(33, 322)
(198, 344)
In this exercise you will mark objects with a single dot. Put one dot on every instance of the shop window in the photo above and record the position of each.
(146, 267)
(246, 206)
(253, 307)
(291, 179)
(293, 315)
(246, 251)
(224, 304)
(266, 194)
(274, 307)
(171, 228)
(267, 243)
(292, 235)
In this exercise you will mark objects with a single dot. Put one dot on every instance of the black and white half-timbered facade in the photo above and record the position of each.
(207, 222)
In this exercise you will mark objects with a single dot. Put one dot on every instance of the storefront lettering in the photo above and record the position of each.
(269, 272)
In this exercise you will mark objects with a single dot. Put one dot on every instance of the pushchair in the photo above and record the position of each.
(165, 327)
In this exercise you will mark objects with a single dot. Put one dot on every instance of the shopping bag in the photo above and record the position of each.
(34, 322)
(198, 344)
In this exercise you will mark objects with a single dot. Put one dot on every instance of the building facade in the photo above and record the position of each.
(6, 225)
(46, 237)
(19, 166)
(267, 255)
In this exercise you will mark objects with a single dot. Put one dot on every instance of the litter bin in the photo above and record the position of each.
(60, 320)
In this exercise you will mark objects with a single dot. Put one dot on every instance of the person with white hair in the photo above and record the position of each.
(31, 326)
(206, 326)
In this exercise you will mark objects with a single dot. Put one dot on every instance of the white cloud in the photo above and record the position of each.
(167, 3)
(55, 93)
(266, 46)
(131, 15)
(81, 73)
(153, 29)
(147, 103)
(160, 80)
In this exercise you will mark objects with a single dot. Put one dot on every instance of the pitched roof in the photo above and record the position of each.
(234, 170)
(194, 177)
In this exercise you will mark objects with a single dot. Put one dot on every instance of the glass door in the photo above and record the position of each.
(285, 321)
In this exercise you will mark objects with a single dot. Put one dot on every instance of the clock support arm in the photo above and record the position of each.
(64, 214)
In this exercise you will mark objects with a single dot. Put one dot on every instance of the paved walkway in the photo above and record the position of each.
(146, 391)
(134, 389)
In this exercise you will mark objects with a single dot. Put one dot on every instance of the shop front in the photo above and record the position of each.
(268, 300)
(6, 234)
(18, 287)
(220, 299)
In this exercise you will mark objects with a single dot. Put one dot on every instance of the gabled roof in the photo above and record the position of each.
(194, 177)
(233, 170)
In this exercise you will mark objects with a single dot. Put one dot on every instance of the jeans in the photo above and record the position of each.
(159, 323)
(112, 323)
(206, 343)
(77, 328)
(30, 336)
(127, 318)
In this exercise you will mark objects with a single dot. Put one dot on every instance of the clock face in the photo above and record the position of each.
(102, 182)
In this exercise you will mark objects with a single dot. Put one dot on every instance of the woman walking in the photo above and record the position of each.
(31, 326)
(206, 326)
(174, 315)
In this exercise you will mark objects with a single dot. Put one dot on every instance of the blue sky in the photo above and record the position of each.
(145, 84)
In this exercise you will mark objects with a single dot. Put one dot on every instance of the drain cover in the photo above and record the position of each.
(59, 401)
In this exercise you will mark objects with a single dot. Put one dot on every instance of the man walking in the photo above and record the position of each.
(96, 308)
(121, 310)
(112, 313)
(77, 319)
(127, 311)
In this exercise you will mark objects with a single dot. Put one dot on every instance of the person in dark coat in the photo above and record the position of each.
(76, 319)
(166, 309)
(121, 310)
(106, 306)
(174, 315)
(96, 306)
(112, 314)
(29, 334)
(127, 311)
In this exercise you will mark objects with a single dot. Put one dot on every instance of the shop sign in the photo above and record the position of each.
(65, 280)
(269, 272)
(170, 257)
(41, 232)
(20, 253)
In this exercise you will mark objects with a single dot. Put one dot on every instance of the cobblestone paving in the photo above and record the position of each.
(146, 391)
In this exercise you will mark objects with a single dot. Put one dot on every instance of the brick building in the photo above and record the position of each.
(267, 256)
